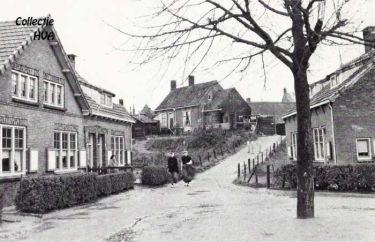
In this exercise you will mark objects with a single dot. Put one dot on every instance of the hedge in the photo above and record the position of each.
(155, 176)
(47, 193)
(356, 177)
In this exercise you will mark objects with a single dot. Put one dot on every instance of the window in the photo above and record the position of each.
(12, 149)
(24, 86)
(363, 149)
(294, 146)
(105, 100)
(53, 94)
(319, 139)
(186, 118)
(65, 144)
(118, 148)
(164, 119)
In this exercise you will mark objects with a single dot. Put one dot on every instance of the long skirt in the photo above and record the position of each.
(188, 173)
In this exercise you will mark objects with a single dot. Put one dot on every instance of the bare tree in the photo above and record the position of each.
(190, 27)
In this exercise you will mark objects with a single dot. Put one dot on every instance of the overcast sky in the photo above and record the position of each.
(82, 30)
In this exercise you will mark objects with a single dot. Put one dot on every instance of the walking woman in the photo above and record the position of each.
(173, 168)
(188, 171)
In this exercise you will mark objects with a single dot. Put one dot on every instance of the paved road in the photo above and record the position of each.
(211, 209)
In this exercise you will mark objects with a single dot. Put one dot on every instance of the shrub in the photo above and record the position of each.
(155, 175)
(44, 194)
(356, 177)
(114, 183)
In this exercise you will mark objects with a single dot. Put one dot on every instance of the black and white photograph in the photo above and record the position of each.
(187, 120)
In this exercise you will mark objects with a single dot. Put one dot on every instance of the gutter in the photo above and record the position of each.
(311, 107)
(173, 109)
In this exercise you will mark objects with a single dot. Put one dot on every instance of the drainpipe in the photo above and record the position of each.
(333, 134)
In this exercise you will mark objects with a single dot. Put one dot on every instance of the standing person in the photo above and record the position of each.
(113, 164)
(188, 170)
(173, 168)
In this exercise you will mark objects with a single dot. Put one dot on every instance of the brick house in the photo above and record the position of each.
(202, 106)
(49, 122)
(267, 116)
(343, 114)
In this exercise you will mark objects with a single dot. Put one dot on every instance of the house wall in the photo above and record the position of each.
(41, 121)
(196, 117)
(320, 118)
(354, 117)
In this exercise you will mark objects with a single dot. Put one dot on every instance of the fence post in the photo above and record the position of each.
(248, 164)
(208, 156)
(238, 171)
(268, 177)
(214, 154)
(256, 175)
(221, 149)
(253, 164)
(200, 159)
(262, 158)
(244, 171)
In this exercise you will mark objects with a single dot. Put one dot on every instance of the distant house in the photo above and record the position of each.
(267, 116)
(202, 106)
(145, 125)
(343, 114)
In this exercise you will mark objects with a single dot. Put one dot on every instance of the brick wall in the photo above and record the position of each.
(355, 107)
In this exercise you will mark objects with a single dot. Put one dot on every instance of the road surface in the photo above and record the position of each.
(211, 209)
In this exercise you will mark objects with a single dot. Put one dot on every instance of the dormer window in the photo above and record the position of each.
(333, 80)
(105, 100)
(209, 97)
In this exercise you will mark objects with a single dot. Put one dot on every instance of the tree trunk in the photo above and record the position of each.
(305, 153)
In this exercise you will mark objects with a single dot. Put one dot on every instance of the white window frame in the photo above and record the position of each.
(59, 150)
(53, 101)
(105, 100)
(12, 171)
(319, 145)
(369, 157)
(294, 145)
(164, 120)
(116, 148)
(18, 95)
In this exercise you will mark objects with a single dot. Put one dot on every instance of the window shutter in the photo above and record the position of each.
(328, 151)
(129, 157)
(109, 154)
(82, 159)
(33, 160)
(289, 151)
(51, 154)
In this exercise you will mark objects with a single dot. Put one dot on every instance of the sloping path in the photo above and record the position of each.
(211, 209)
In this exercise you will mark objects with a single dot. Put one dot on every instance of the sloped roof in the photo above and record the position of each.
(187, 96)
(144, 119)
(118, 112)
(218, 99)
(14, 39)
(84, 82)
(348, 75)
(277, 109)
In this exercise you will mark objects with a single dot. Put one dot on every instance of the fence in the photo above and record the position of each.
(251, 169)
(107, 170)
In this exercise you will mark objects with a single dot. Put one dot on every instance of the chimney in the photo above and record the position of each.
(285, 92)
(248, 100)
(121, 102)
(72, 59)
(173, 85)
(369, 38)
(133, 109)
(191, 80)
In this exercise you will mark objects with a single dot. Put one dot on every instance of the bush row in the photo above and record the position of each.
(47, 193)
(155, 176)
(357, 177)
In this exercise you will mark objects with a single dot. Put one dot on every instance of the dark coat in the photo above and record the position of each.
(172, 164)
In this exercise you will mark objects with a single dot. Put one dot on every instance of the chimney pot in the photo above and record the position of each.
(121, 102)
(72, 59)
(191, 80)
(173, 85)
(248, 100)
(285, 91)
(369, 38)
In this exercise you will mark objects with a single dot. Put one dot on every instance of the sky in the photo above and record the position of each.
(83, 29)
